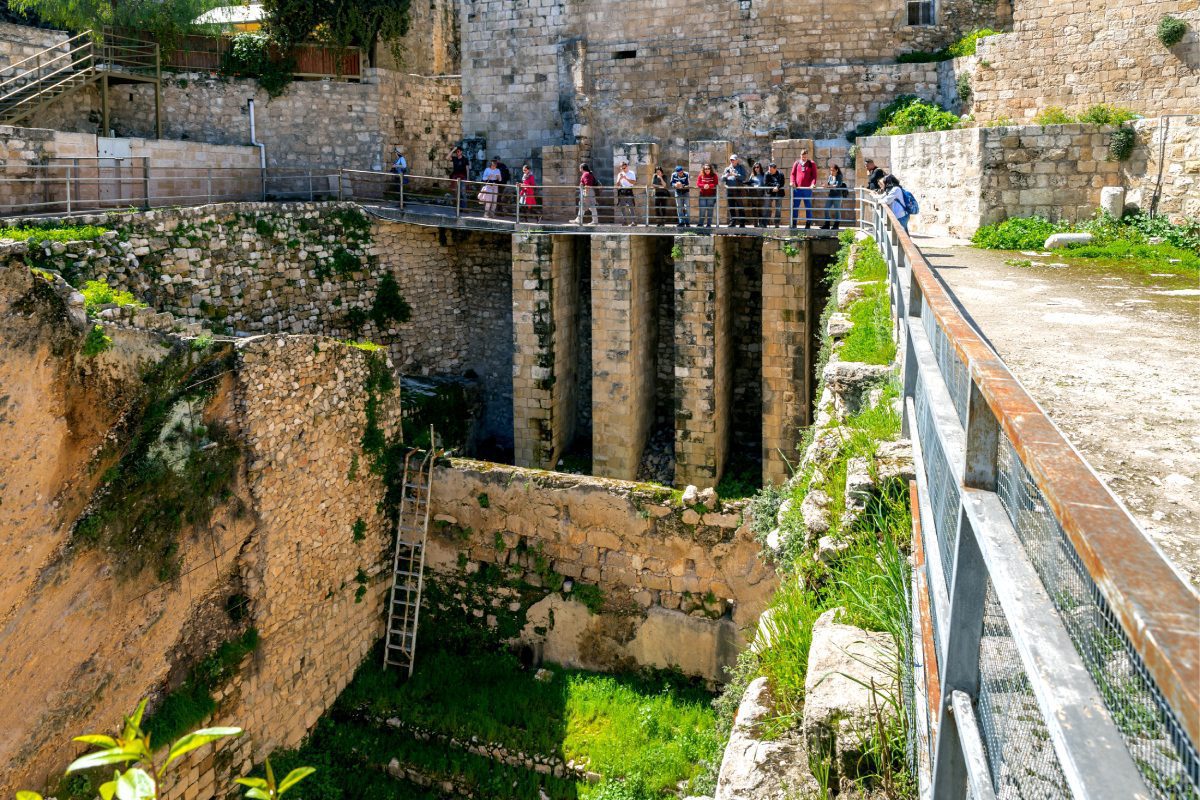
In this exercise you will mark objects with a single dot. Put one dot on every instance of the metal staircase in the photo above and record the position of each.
(28, 86)
(408, 564)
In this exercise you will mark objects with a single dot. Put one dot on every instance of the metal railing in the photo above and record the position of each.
(79, 185)
(1056, 651)
(205, 53)
(476, 203)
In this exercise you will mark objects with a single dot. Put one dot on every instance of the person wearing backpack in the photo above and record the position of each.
(901, 200)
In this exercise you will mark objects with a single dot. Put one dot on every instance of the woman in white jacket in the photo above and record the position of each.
(893, 195)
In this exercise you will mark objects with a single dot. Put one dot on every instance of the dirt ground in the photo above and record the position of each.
(1111, 354)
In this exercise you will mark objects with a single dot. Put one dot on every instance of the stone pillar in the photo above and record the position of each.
(643, 158)
(545, 303)
(703, 358)
(560, 174)
(623, 363)
(786, 335)
(706, 152)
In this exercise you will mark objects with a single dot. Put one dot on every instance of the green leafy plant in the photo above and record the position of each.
(1053, 115)
(255, 55)
(99, 293)
(962, 87)
(267, 789)
(389, 306)
(1121, 146)
(1104, 114)
(790, 249)
(1017, 233)
(910, 114)
(1171, 31)
(63, 233)
(484, 502)
(967, 45)
(359, 530)
(95, 343)
(676, 252)
(136, 776)
(340, 24)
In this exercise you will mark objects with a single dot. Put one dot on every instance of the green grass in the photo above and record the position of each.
(66, 233)
(870, 340)
(651, 731)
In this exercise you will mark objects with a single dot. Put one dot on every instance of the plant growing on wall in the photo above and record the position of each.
(164, 21)
(254, 55)
(390, 306)
(136, 776)
(1171, 31)
(95, 343)
(340, 23)
(1120, 147)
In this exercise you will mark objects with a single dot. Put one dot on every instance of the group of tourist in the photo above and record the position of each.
(754, 196)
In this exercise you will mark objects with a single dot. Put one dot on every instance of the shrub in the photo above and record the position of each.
(1120, 147)
(912, 115)
(1103, 114)
(95, 342)
(1171, 31)
(99, 293)
(1053, 115)
(251, 55)
(390, 305)
(967, 45)
(67, 233)
(963, 86)
(1017, 233)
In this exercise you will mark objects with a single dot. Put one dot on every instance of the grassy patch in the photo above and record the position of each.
(647, 732)
(99, 293)
(64, 233)
(186, 707)
(870, 340)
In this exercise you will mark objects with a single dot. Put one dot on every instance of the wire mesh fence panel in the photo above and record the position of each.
(1023, 763)
(941, 479)
(1163, 754)
(953, 370)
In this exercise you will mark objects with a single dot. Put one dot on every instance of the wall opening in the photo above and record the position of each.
(744, 464)
(578, 455)
(658, 458)
(620, 55)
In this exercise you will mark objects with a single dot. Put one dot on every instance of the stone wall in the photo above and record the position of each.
(787, 326)
(317, 268)
(1075, 55)
(979, 176)
(19, 42)
(680, 587)
(571, 73)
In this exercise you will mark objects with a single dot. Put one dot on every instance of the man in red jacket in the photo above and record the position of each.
(803, 178)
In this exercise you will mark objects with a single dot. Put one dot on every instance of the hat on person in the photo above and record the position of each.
(679, 168)
(773, 164)
(732, 157)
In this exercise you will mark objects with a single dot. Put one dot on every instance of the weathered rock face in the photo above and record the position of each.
(851, 672)
(850, 383)
(754, 768)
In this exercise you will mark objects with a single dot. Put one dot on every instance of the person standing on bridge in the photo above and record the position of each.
(756, 194)
(460, 170)
(706, 182)
(626, 180)
(528, 193)
(773, 202)
(804, 177)
(893, 196)
(734, 178)
(836, 184)
(662, 197)
(681, 183)
(587, 195)
(491, 187)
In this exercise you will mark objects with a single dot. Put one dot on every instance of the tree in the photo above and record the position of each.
(338, 23)
(163, 21)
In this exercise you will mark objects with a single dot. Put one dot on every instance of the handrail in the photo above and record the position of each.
(1156, 607)
(38, 73)
(40, 53)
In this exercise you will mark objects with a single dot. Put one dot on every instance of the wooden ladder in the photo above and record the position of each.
(408, 564)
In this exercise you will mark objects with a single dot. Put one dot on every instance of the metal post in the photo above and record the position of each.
(579, 216)
(146, 182)
(70, 170)
(208, 192)
(341, 194)
(458, 198)
(104, 105)
(402, 192)
(518, 223)
(308, 174)
(157, 92)
(648, 191)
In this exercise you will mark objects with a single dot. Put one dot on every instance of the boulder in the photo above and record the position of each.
(708, 498)
(691, 495)
(815, 511)
(850, 383)
(757, 769)
(860, 487)
(839, 325)
(894, 461)
(1059, 240)
(840, 706)
(828, 549)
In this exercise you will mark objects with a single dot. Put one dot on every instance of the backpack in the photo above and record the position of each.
(910, 203)
(505, 175)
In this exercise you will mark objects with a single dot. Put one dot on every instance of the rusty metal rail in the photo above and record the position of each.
(1057, 651)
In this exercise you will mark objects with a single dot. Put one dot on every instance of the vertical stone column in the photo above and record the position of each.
(545, 302)
(623, 367)
(701, 153)
(703, 358)
(786, 326)
(560, 172)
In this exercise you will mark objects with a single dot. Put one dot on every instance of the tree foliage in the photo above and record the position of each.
(163, 21)
(338, 23)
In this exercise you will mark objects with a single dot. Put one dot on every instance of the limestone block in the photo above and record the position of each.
(1060, 240)
(1112, 201)
(756, 768)
(840, 705)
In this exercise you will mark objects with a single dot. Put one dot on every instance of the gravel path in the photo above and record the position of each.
(1112, 356)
